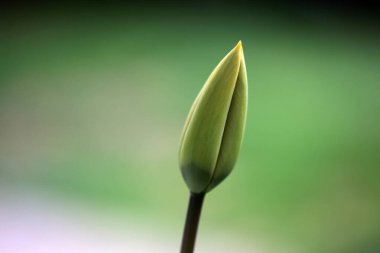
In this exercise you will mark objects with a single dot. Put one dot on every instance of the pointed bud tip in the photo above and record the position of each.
(239, 45)
(238, 48)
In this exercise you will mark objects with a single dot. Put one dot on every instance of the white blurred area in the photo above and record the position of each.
(33, 221)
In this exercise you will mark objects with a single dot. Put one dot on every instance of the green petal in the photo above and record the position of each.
(234, 129)
(204, 128)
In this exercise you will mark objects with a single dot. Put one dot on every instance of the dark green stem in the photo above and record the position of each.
(192, 221)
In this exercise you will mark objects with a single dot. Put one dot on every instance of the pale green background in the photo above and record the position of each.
(92, 106)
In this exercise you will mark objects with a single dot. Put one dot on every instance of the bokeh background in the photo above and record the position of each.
(93, 98)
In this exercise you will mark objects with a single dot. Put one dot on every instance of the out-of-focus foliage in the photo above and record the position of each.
(92, 106)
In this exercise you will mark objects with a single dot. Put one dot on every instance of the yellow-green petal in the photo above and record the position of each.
(234, 129)
(213, 130)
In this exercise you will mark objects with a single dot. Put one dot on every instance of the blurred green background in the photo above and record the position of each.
(93, 100)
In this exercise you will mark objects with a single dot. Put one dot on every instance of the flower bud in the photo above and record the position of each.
(214, 128)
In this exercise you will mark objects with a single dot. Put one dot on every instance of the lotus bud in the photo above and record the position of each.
(214, 128)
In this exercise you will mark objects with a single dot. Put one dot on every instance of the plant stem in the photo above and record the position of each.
(192, 220)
